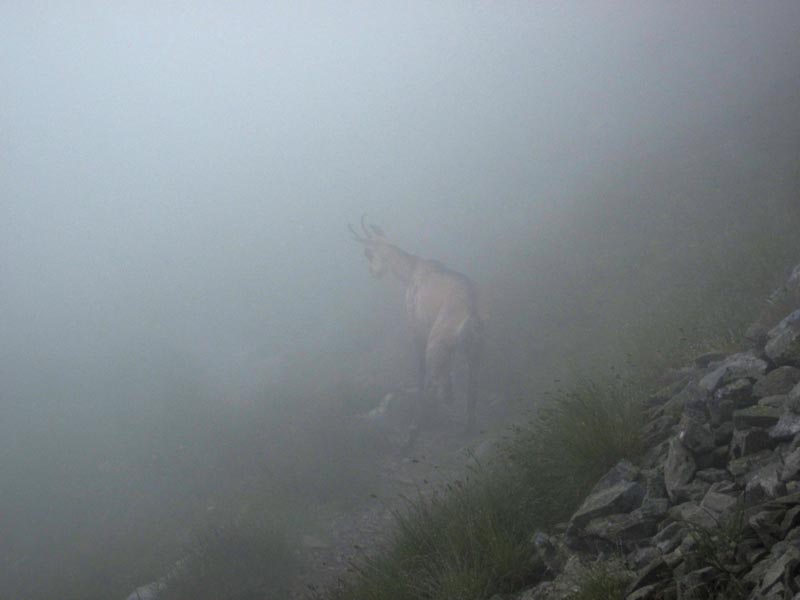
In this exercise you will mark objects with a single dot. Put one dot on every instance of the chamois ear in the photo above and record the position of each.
(377, 231)
(368, 252)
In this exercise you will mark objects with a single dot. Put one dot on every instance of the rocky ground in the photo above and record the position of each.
(712, 510)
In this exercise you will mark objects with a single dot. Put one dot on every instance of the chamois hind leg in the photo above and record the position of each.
(473, 356)
(419, 404)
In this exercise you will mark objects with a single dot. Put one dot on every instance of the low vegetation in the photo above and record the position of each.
(472, 539)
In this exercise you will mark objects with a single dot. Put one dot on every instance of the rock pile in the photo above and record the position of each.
(713, 508)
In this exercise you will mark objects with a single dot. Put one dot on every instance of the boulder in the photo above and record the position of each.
(736, 366)
(738, 392)
(622, 529)
(777, 382)
(696, 436)
(780, 402)
(679, 468)
(670, 537)
(791, 466)
(749, 441)
(617, 492)
(693, 514)
(781, 571)
(756, 416)
(787, 427)
(764, 484)
(783, 341)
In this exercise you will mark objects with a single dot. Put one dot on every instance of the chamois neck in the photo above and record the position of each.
(401, 263)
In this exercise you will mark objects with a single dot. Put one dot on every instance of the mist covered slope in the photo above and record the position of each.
(188, 333)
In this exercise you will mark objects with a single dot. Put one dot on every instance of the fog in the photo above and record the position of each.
(176, 180)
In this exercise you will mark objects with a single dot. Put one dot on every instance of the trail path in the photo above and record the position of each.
(438, 457)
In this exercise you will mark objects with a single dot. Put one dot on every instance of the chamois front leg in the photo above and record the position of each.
(419, 402)
(473, 355)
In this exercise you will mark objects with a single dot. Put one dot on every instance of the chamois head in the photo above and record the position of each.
(375, 243)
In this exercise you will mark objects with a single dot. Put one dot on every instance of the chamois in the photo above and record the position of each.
(442, 308)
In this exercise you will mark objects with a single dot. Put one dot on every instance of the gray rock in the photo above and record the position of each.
(664, 394)
(791, 466)
(779, 402)
(549, 552)
(623, 471)
(720, 503)
(658, 430)
(749, 441)
(738, 392)
(670, 537)
(691, 397)
(623, 528)
(783, 341)
(741, 466)
(621, 497)
(782, 570)
(787, 427)
(654, 573)
(724, 432)
(707, 359)
(655, 456)
(679, 468)
(713, 475)
(641, 557)
(696, 436)
(791, 519)
(697, 583)
(736, 366)
(756, 416)
(777, 382)
(694, 514)
(648, 592)
(147, 592)
(764, 484)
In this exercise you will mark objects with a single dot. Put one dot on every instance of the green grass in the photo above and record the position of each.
(472, 539)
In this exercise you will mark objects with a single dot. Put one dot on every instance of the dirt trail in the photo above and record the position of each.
(438, 456)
